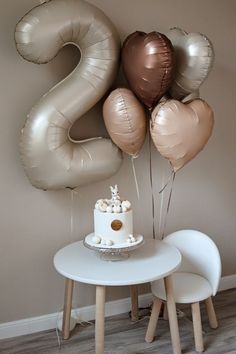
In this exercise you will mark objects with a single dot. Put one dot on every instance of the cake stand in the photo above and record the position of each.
(116, 252)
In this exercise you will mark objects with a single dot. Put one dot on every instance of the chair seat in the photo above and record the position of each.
(188, 288)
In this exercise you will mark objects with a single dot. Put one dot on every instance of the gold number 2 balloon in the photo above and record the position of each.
(51, 159)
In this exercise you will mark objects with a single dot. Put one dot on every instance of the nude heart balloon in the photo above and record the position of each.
(125, 120)
(148, 63)
(194, 61)
(181, 130)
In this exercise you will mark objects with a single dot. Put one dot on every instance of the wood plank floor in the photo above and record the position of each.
(125, 337)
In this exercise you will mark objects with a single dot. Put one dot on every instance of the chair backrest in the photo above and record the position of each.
(200, 255)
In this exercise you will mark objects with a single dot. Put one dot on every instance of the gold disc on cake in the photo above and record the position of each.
(116, 225)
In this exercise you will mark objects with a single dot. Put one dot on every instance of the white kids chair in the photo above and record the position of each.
(197, 279)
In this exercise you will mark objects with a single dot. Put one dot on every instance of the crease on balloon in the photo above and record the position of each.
(95, 44)
(86, 151)
(120, 134)
(196, 118)
(71, 160)
(88, 29)
(35, 19)
(88, 81)
(94, 58)
(97, 67)
(63, 115)
(61, 38)
(99, 77)
(126, 113)
(72, 28)
(94, 77)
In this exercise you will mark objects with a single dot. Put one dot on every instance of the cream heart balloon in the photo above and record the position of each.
(125, 120)
(181, 130)
(194, 60)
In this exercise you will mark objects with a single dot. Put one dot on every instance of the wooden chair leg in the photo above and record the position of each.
(197, 327)
(165, 312)
(153, 320)
(211, 313)
(134, 302)
(69, 284)
(99, 320)
(173, 322)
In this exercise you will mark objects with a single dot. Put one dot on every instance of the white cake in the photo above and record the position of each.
(113, 221)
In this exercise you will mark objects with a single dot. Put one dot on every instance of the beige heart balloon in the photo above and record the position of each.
(181, 130)
(125, 120)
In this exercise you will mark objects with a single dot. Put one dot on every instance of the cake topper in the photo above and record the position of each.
(113, 205)
(114, 193)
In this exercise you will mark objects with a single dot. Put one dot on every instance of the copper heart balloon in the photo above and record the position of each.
(181, 130)
(125, 120)
(194, 60)
(148, 64)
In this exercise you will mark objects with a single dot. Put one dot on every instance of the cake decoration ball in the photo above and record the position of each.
(103, 206)
(109, 209)
(116, 209)
(97, 204)
(109, 242)
(96, 239)
(131, 238)
(126, 204)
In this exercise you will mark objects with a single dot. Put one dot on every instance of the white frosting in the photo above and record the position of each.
(103, 226)
(116, 211)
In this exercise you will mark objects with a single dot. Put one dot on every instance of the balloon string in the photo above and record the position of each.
(71, 214)
(72, 194)
(151, 183)
(161, 203)
(135, 177)
(168, 205)
(168, 181)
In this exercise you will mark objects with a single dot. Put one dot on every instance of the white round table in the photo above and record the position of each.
(153, 260)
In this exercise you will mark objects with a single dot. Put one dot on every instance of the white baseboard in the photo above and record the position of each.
(87, 313)
(227, 282)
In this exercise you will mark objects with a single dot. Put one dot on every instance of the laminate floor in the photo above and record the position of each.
(125, 337)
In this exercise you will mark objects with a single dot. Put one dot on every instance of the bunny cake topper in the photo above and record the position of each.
(114, 193)
(113, 205)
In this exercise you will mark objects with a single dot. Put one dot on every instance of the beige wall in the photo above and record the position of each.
(35, 224)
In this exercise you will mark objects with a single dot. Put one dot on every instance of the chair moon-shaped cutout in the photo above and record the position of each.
(196, 280)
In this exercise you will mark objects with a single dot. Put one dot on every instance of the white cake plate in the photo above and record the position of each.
(115, 252)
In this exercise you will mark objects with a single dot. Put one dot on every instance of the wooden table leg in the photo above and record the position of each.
(69, 284)
(134, 302)
(153, 320)
(173, 322)
(99, 319)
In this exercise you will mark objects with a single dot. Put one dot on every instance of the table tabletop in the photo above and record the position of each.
(153, 260)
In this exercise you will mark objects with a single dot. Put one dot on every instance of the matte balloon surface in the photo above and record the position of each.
(180, 131)
(148, 62)
(52, 160)
(194, 60)
(125, 120)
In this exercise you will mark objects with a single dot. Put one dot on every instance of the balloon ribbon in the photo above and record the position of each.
(170, 180)
(135, 176)
(151, 183)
